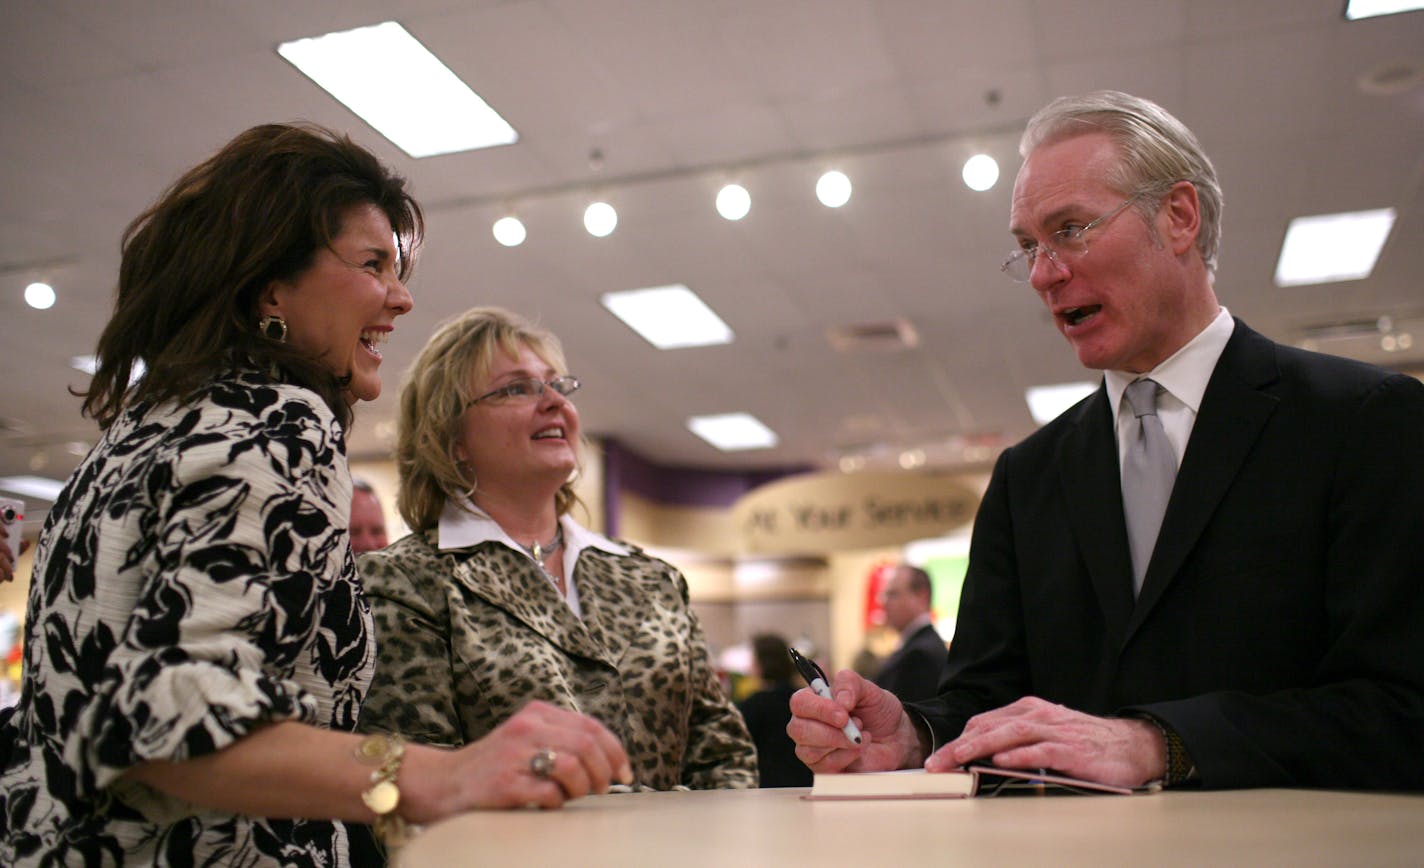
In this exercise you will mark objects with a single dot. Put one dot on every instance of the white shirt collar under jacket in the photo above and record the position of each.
(463, 524)
(1183, 377)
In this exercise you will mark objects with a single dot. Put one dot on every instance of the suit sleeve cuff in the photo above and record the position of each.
(1179, 766)
(923, 732)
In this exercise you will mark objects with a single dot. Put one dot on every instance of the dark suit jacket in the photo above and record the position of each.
(914, 669)
(1280, 628)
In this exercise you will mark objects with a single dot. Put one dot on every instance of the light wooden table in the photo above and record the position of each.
(777, 827)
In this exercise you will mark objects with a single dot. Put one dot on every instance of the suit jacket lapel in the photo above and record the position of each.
(530, 598)
(1233, 412)
(1088, 472)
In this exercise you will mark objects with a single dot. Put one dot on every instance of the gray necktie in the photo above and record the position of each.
(1148, 471)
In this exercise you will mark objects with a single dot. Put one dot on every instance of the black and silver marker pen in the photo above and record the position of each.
(816, 680)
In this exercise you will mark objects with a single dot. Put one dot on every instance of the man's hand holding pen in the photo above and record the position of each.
(888, 738)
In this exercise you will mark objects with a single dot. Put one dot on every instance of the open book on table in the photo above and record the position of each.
(974, 780)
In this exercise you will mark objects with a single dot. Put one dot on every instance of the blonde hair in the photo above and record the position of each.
(1155, 151)
(433, 399)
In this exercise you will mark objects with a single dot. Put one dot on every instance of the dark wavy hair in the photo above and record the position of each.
(772, 658)
(196, 261)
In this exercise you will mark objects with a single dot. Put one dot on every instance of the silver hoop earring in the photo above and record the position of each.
(273, 328)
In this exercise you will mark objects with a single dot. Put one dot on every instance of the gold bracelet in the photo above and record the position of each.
(383, 796)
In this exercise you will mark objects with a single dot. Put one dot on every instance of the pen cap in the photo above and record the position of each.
(807, 667)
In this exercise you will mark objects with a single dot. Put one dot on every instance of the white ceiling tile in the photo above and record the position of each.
(106, 103)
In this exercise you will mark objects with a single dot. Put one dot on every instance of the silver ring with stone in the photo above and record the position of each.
(542, 763)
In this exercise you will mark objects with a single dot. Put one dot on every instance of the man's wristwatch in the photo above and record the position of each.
(1180, 767)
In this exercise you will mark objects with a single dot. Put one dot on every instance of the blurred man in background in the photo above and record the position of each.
(913, 670)
(368, 521)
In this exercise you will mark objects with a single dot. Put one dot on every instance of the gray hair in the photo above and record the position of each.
(1156, 151)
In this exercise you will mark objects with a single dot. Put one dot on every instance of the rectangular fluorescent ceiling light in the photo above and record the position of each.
(1357, 9)
(396, 85)
(668, 317)
(1046, 403)
(733, 432)
(32, 486)
(1330, 247)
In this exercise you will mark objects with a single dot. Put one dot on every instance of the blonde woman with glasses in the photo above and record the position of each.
(499, 597)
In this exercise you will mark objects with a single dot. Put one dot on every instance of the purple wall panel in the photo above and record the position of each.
(625, 470)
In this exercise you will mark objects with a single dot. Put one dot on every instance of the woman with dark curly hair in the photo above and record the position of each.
(197, 644)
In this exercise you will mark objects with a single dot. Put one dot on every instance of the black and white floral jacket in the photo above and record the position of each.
(193, 581)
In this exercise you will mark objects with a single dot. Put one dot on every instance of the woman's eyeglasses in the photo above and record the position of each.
(526, 389)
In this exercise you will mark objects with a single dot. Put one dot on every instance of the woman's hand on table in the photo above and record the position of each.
(541, 757)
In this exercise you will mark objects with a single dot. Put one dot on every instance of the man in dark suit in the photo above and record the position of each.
(913, 669)
(1271, 633)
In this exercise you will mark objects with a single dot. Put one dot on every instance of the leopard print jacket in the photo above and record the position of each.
(466, 637)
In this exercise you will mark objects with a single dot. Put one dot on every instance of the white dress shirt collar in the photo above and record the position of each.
(462, 524)
(920, 621)
(1183, 377)
(1185, 373)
